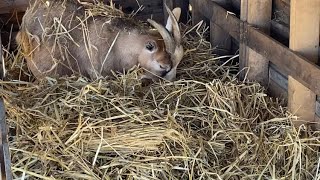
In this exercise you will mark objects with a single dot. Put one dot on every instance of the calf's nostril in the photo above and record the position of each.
(166, 67)
(164, 73)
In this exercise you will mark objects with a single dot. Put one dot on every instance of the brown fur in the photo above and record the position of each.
(49, 54)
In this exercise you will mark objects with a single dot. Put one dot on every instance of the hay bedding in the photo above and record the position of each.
(207, 125)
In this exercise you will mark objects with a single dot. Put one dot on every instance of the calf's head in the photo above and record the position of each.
(162, 51)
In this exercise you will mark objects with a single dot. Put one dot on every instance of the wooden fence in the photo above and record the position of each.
(290, 69)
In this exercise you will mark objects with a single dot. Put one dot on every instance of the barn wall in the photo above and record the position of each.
(152, 8)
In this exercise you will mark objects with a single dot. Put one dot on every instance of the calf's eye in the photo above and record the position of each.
(150, 46)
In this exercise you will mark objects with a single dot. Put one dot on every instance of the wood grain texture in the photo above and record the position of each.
(286, 60)
(220, 40)
(257, 14)
(8, 6)
(304, 39)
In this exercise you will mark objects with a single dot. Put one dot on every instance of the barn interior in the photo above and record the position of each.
(208, 124)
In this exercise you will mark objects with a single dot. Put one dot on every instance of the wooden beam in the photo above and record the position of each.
(9, 6)
(207, 9)
(304, 39)
(286, 60)
(257, 13)
(279, 8)
(197, 14)
(220, 40)
(280, 31)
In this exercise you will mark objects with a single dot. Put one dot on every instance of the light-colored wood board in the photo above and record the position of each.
(304, 28)
(304, 39)
(301, 102)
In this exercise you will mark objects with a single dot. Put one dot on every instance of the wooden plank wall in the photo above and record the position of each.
(150, 8)
(258, 14)
(8, 6)
(304, 39)
(283, 61)
(280, 25)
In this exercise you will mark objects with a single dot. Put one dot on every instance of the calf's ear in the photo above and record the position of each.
(176, 12)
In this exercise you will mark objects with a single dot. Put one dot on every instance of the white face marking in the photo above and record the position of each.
(171, 75)
(156, 66)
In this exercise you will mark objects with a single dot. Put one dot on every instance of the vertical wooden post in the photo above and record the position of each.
(196, 13)
(220, 39)
(304, 39)
(256, 13)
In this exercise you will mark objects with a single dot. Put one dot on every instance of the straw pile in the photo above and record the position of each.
(207, 125)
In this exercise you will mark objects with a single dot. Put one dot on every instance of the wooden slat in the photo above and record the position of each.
(280, 8)
(8, 6)
(304, 39)
(258, 14)
(278, 83)
(197, 13)
(304, 28)
(151, 9)
(280, 79)
(206, 9)
(243, 49)
(280, 32)
(285, 59)
(275, 90)
(220, 40)
(280, 21)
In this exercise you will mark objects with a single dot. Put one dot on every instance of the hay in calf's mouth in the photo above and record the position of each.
(207, 125)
